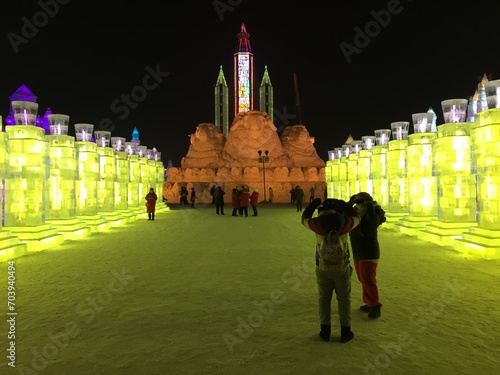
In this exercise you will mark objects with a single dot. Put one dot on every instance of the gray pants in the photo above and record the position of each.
(340, 282)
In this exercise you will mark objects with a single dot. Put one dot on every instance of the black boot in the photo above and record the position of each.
(325, 332)
(346, 334)
(375, 312)
(149, 216)
(364, 308)
(152, 216)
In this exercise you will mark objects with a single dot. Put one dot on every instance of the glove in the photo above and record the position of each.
(316, 203)
(340, 205)
(352, 200)
(309, 210)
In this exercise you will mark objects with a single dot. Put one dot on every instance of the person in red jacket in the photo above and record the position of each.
(235, 201)
(254, 200)
(151, 199)
(244, 198)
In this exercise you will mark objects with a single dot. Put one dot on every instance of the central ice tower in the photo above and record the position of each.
(243, 73)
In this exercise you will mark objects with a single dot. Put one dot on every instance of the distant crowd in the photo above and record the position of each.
(243, 196)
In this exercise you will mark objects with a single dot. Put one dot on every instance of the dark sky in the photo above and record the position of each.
(84, 55)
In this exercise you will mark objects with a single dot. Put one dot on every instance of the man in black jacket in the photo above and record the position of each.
(366, 251)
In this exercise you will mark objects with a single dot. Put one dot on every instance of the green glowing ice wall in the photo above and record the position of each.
(396, 174)
(135, 178)
(336, 192)
(421, 184)
(329, 179)
(452, 168)
(160, 179)
(352, 175)
(343, 182)
(107, 178)
(122, 180)
(153, 175)
(4, 161)
(363, 168)
(485, 137)
(144, 183)
(88, 176)
(27, 175)
(61, 187)
(378, 165)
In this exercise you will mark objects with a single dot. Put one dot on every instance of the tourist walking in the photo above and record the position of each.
(254, 200)
(219, 200)
(292, 196)
(270, 195)
(192, 197)
(337, 216)
(299, 197)
(184, 194)
(311, 194)
(212, 192)
(151, 199)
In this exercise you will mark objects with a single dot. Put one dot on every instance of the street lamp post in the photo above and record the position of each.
(264, 160)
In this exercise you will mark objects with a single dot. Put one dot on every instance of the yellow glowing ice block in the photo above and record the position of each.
(363, 168)
(335, 179)
(422, 185)
(88, 177)
(107, 179)
(452, 168)
(27, 175)
(160, 179)
(378, 166)
(122, 180)
(4, 158)
(61, 192)
(486, 163)
(488, 117)
(135, 178)
(328, 171)
(144, 179)
(396, 176)
(153, 175)
(352, 175)
(343, 182)
(484, 240)
(328, 179)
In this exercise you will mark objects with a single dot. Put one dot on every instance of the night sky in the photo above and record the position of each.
(84, 55)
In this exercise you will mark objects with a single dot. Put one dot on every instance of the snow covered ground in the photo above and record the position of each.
(198, 293)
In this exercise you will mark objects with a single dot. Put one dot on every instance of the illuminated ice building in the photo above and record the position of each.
(58, 187)
(227, 153)
(443, 185)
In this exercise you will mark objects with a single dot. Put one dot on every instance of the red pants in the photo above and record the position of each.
(367, 276)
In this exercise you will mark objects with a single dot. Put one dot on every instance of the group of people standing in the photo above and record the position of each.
(356, 223)
(241, 198)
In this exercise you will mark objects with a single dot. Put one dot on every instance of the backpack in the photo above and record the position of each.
(333, 253)
(381, 213)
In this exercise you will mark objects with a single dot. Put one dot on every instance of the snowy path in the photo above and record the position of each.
(197, 293)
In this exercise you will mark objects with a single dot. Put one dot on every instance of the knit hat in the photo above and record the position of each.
(329, 219)
(363, 196)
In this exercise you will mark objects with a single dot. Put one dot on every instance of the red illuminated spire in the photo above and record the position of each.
(243, 40)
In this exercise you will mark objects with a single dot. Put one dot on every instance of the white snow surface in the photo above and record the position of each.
(198, 293)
